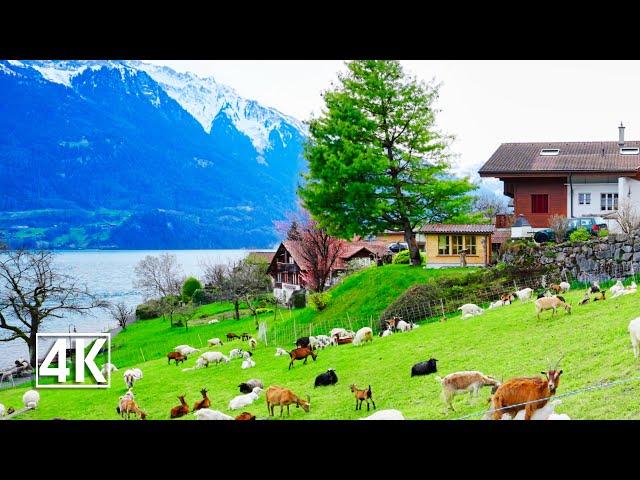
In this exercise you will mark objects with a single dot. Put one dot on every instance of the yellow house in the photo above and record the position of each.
(445, 243)
(391, 236)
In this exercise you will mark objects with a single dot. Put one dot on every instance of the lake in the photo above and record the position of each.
(110, 275)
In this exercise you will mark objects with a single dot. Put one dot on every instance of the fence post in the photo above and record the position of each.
(442, 306)
(349, 318)
(142, 353)
(201, 343)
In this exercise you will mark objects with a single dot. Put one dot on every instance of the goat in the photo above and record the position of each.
(284, 397)
(253, 343)
(212, 321)
(564, 287)
(31, 398)
(245, 336)
(361, 396)
(323, 341)
(600, 296)
(385, 415)
(524, 294)
(208, 414)
(301, 354)
(303, 342)
(243, 400)
(281, 351)
(586, 298)
(131, 376)
(424, 368)
(545, 413)
(186, 350)
(249, 385)
(246, 416)
(634, 332)
(551, 303)
(462, 382)
(108, 368)
(365, 334)
(497, 303)
(342, 340)
(470, 308)
(534, 392)
(129, 406)
(213, 357)
(246, 355)
(403, 326)
(507, 298)
(327, 378)
(616, 288)
(235, 353)
(181, 410)
(386, 333)
(176, 356)
(595, 287)
(247, 363)
(2, 410)
(232, 336)
(204, 403)
(214, 341)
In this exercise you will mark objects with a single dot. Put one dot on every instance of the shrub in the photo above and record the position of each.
(260, 311)
(203, 297)
(148, 310)
(299, 299)
(189, 287)
(580, 235)
(319, 301)
(403, 257)
(603, 233)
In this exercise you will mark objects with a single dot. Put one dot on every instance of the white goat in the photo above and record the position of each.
(341, 332)
(365, 334)
(281, 351)
(208, 414)
(385, 415)
(106, 368)
(497, 303)
(471, 308)
(131, 376)
(246, 355)
(616, 288)
(235, 353)
(565, 286)
(186, 350)
(545, 413)
(214, 341)
(213, 357)
(31, 398)
(387, 332)
(403, 326)
(215, 320)
(2, 410)
(634, 331)
(242, 401)
(248, 363)
(524, 294)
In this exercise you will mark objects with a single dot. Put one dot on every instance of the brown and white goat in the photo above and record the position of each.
(128, 406)
(510, 396)
(181, 410)
(301, 354)
(463, 382)
(176, 356)
(284, 397)
(204, 403)
(551, 303)
(362, 396)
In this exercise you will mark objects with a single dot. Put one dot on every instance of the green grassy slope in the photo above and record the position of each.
(507, 341)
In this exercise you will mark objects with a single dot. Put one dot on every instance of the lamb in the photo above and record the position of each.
(470, 308)
(204, 403)
(524, 294)
(131, 376)
(551, 303)
(385, 415)
(253, 343)
(207, 414)
(462, 382)
(213, 357)
(107, 368)
(281, 351)
(565, 286)
(327, 378)
(634, 332)
(616, 288)
(242, 401)
(249, 385)
(31, 398)
(181, 410)
(235, 353)
(424, 368)
(214, 341)
(365, 334)
(248, 363)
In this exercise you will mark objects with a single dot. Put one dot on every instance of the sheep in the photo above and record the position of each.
(243, 400)
(181, 410)
(129, 406)
(424, 368)
(403, 326)
(208, 414)
(462, 382)
(533, 391)
(365, 334)
(253, 343)
(248, 363)
(362, 396)
(300, 354)
(327, 378)
(496, 304)
(249, 385)
(186, 350)
(213, 357)
(385, 415)
(634, 332)
(616, 288)
(107, 368)
(277, 395)
(281, 351)
(246, 416)
(551, 303)
(386, 333)
(212, 321)
(565, 286)
(545, 413)
(176, 356)
(247, 355)
(212, 342)
(524, 294)
(204, 403)
(131, 376)
(341, 332)
(323, 341)
(235, 353)
(470, 308)
(31, 398)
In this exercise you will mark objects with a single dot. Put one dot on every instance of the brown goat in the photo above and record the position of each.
(511, 394)
(246, 416)
(204, 403)
(276, 395)
(177, 356)
(245, 336)
(181, 410)
(232, 336)
(507, 298)
(361, 396)
(551, 303)
(343, 340)
(555, 287)
(129, 406)
(301, 354)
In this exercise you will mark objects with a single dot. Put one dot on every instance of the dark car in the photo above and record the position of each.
(592, 224)
(397, 247)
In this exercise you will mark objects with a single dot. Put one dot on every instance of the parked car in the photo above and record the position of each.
(592, 224)
(397, 247)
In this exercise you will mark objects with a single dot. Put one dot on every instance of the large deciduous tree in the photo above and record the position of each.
(158, 276)
(376, 158)
(33, 291)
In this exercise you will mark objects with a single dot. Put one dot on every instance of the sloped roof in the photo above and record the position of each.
(268, 256)
(601, 157)
(466, 228)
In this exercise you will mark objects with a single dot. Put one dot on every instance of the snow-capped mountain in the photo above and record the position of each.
(147, 143)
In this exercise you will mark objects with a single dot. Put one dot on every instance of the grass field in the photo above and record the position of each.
(503, 342)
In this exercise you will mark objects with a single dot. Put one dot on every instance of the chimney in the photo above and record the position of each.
(621, 135)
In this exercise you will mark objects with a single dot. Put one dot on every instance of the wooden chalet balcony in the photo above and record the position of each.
(286, 267)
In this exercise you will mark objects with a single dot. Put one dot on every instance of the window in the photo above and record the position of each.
(539, 203)
(443, 244)
(457, 244)
(279, 277)
(549, 151)
(608, 201)
(470, 244)
(629, 151)
(584, 198)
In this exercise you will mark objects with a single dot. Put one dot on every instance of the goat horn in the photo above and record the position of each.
(558, 362)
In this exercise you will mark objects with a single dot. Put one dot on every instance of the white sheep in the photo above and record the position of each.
(246, 355)
(214, 341)
(524, 294)
(31, 398)
(208, 414)
(341, 332)
(106, 368)
(471, 308)
(496, 304)
(131, 376)
(634, 331)
(213, 357)
(385, 415)
(242, 401)
(280, 352)
(248, 363)
(565, 286)
(365, 334)
(403, 326)
(323, 340)
(253, 343)
(215, 320)
(235, 353)
(618, 287)
(545, 413)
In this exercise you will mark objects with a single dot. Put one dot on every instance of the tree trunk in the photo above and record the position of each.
(414, 251)
(32, 350)
(236, 306)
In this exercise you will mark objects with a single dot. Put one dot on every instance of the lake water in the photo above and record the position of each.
(110, 275)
